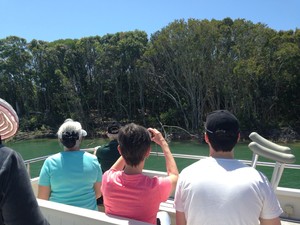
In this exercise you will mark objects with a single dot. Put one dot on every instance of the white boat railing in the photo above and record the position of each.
(28, 162)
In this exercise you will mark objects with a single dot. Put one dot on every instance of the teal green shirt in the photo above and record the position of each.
(71, 176)
(108, 154)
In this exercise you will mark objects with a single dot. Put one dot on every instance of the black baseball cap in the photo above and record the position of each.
(113, 128)
(222, 122)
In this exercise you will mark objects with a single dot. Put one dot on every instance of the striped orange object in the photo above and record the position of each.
(9, 120)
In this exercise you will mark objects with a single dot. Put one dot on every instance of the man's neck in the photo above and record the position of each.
(221, 154)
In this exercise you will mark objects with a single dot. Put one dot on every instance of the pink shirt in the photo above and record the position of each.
(134, 196)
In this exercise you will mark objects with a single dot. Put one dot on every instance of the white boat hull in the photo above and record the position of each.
(60, 214)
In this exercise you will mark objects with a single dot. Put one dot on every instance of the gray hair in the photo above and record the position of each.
(70, 126)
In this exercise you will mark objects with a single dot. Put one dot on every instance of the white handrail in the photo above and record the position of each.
(280, 154)
(175, 155)
(277, 156)
(268, 144)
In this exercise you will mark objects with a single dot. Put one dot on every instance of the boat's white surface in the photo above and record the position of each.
(61, 214)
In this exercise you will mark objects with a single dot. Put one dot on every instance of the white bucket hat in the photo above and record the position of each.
(9, 120)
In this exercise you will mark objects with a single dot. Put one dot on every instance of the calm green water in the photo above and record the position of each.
(40, 147)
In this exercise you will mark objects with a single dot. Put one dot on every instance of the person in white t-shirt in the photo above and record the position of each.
(220, 189)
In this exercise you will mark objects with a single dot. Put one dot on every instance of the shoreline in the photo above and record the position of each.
(282, 136)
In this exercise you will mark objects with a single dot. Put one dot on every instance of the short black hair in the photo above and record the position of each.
(134, 141)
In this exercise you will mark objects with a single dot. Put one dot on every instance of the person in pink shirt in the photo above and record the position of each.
(129, 193)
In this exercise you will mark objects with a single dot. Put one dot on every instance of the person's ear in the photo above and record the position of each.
(206, 138)
(119, 149)
(148, 152)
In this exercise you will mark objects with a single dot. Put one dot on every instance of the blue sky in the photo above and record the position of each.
(51, 20)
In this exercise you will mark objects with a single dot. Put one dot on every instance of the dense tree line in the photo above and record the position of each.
(176, 77)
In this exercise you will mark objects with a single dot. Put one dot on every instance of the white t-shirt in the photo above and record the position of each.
(224, 191)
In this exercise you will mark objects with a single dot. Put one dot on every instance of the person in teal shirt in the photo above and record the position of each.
(71, 177)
